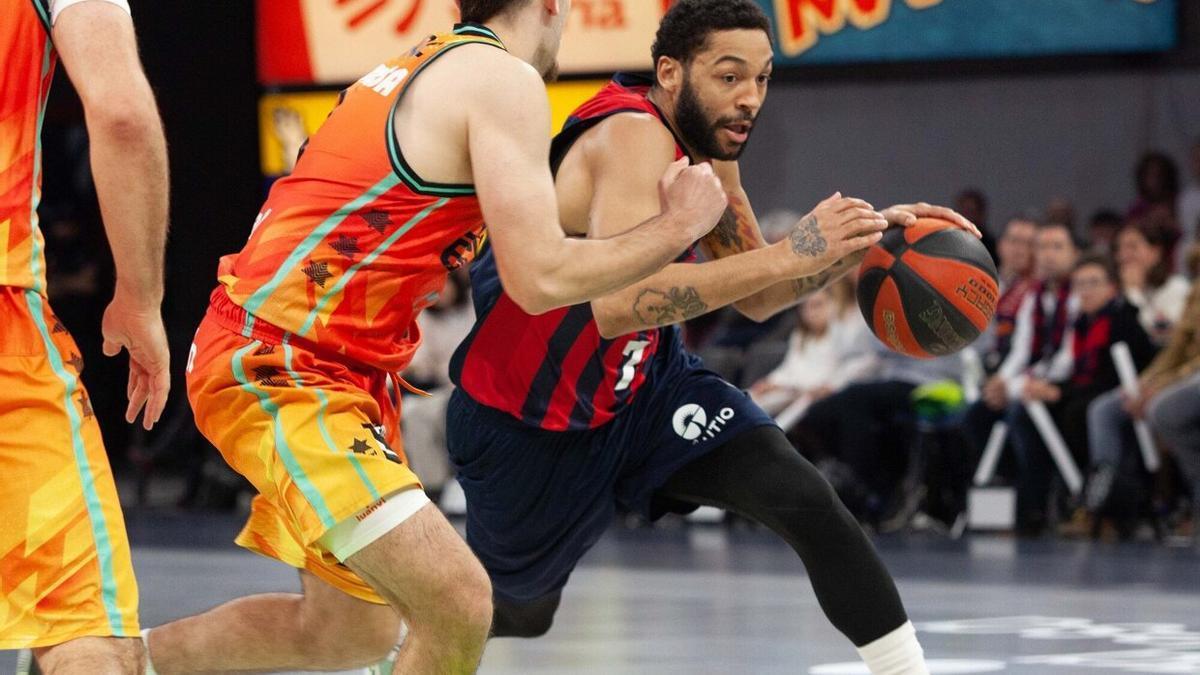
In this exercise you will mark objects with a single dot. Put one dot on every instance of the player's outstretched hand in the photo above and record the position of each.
(692, 197)
(138, 328)
(836, 228)
(907, 214)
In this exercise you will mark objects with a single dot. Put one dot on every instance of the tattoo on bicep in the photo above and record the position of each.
(726, 234)
(659, 308)
(806, 238)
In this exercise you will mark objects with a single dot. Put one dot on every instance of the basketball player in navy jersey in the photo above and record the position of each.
(561, 416)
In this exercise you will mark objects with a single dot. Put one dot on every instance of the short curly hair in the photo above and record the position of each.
(685, 29)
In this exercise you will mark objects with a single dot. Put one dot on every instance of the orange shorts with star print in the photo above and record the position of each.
(65, 570)
(317, 436)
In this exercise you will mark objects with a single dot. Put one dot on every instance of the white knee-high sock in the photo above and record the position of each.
(897, 653)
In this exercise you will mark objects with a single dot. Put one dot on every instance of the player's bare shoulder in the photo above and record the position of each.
(628, 137)
(489, 77)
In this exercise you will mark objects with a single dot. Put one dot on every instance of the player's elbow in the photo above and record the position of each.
(126, 118)
(535, 295)
(609, 327)
(753, 311)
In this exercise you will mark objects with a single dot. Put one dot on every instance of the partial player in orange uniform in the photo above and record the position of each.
(66, 583)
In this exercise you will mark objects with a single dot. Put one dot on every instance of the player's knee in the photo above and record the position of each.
(464, 608)
(800, 502)
(807, 492)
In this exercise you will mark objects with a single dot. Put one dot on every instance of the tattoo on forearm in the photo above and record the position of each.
(806, 238)
(659, 308)
(806, 285)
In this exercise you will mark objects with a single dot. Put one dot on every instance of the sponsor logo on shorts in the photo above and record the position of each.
(370, 509)
(692, 422)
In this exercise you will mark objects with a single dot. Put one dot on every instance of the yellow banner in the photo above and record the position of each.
(285, 120)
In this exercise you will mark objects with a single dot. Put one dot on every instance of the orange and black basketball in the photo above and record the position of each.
(928, 290)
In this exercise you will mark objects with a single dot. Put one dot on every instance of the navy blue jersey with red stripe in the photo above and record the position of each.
(554, 370)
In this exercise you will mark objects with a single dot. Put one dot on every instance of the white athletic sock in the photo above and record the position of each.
(897, 653)
(146, 645)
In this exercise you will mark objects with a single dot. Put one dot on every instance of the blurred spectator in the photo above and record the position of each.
(443, 327)
(1157, 180)
(860, 436)
(1191, 261)
(1169, 398)
(1061, 210)
(1040, 329)
(972, 204)
(811, 363)
(776, 225)
(1015, 251)
(1080, 371)
(1102, 231)
(820, 357)
(1145, 271)
(848, 320)
(1189, 205)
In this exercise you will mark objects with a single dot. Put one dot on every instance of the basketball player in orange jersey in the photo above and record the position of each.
(290, 369)
(601, 405)
(67, 589)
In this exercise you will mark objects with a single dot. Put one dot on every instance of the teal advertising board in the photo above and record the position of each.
(863, 31)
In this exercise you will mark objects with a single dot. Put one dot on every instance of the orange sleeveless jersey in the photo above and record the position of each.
(28, 69)
(350, 247)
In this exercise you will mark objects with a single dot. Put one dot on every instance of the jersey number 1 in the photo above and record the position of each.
(634, 350)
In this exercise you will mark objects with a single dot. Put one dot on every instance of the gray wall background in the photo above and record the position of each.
(1022, 138)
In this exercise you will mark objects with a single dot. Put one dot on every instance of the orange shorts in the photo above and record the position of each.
(65, 570)
(316, 436)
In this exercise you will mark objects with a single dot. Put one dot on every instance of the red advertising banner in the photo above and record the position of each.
(336, 41)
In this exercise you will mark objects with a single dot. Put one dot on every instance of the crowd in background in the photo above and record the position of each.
(899, 438)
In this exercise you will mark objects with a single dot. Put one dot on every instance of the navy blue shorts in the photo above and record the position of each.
(537, 500)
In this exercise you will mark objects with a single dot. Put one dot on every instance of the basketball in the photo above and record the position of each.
(928, 290)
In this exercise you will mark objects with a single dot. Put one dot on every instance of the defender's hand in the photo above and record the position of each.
(693, 197)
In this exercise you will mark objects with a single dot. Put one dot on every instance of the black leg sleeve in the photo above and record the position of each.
(761, 476)
(527, 620)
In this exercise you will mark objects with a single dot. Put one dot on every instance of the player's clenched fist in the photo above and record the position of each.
(836, 228)
(693, 198)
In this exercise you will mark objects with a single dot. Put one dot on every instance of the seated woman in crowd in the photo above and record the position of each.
(811, 359)
(1143, 249)
(1169, 399)
(819, 358)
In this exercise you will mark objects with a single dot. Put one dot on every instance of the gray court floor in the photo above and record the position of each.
(703, 599)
